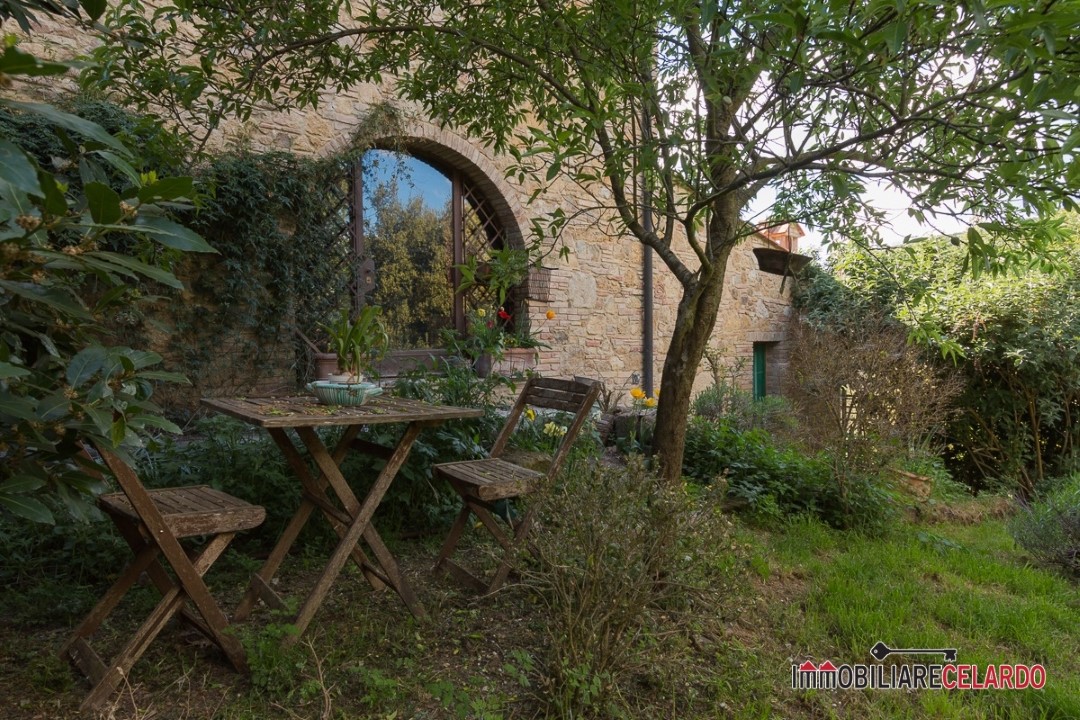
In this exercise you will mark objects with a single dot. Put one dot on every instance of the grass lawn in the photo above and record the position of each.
(808, 593)
(828, 595)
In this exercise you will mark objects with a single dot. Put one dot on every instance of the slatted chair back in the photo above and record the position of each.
(571, 396)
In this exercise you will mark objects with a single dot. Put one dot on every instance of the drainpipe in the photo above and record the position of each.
(646, 274)
(647, 308)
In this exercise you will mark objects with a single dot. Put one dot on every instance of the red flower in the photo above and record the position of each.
(503, 315)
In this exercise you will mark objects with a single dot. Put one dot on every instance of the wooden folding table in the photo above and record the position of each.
(328, 490)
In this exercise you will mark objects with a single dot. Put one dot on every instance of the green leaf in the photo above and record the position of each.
(167, 189)
(19, 484)
(16, 62)
(27, 507)
(77, 502)
(104, 203)
(8, 371)
(17, 169)
(53, 407)
(142, 358)
(137, 266)
(55, 200)
(895, 35)
(156, 421)
(118, 431)
(93, 8)
(74, 123)
(165, 376)
(120, 164)
(54, 298)
(85, 365)
(102, 420)
(171, 234)
(20, 408)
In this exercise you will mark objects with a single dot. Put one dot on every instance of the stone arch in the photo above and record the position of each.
(447, 151)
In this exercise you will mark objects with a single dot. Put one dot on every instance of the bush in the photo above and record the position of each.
(741, 409)
(1049, 528)
(54, 573)
(760, 477)
(770, 483)
(618, 556)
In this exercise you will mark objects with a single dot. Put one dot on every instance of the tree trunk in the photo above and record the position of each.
(693, 329)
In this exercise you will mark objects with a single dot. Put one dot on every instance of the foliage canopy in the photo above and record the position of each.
(80, 228)
(1013, 336)
(677, 114)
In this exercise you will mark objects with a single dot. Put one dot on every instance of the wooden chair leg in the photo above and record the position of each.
(509, 544)
(111, 599)
(520, 532)
(104, 677)
(140, 641)
(453, 538)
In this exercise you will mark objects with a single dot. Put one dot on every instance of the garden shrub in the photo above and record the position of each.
(619, 558)
(741, 409)
(54, 573)
(770, 482)
(1010, 336)
(760, 477)
(82, 232)
(1049, 527)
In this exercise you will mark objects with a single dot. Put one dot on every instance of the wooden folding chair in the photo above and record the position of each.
(152, 522)
(482, 483)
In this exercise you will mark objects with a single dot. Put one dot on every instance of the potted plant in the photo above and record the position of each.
(358, 344)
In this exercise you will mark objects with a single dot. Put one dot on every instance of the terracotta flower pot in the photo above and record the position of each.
(325, 365)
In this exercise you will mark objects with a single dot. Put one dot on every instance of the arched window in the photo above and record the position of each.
(413, 222)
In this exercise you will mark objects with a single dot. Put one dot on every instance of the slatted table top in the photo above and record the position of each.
(306, 411)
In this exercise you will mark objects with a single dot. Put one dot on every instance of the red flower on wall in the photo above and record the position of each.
(503, 315)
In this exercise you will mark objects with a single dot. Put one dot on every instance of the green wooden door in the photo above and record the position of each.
(759, 370)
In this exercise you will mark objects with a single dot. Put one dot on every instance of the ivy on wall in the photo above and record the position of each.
(280, 223)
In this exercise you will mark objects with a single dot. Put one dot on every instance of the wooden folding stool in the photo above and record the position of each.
(152, 522)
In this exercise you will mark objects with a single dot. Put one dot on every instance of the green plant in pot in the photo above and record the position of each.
(358, 343)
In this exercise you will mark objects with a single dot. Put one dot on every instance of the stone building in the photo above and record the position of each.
(597, 294)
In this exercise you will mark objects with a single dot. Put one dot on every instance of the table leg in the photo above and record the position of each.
(312, 488)
(361, 514)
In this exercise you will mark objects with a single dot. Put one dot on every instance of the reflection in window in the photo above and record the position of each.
(407, 233)
(418, 223)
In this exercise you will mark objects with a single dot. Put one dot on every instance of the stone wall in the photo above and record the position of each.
(596, 294)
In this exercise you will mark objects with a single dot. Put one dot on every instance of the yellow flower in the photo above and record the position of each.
(550, 314)
(650, 402)
(637, 393)
(554, 430)
(530, 413)
(481, 312)
(656, 393)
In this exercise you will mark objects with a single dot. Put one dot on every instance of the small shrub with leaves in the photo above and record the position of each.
(1049, 528)
(619, 556)
(740, 408)
(760, 477)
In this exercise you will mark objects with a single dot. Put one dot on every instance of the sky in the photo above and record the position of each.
(895, 205)
(416, 179)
